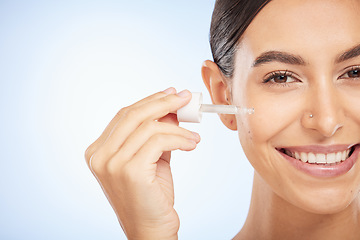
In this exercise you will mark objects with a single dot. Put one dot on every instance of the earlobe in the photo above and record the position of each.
(219, 91)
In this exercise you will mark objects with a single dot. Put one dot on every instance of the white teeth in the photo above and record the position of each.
(320, 158)
(343, 156)
(311, 158)
(331, 158)
(338, 156)
(304, 157)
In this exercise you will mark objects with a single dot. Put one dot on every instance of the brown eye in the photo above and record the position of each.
(354, 73)
(281, 79)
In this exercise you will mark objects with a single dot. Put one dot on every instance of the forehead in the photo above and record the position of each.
(305, 26)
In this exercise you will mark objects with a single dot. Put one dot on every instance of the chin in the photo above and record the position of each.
(325, 201)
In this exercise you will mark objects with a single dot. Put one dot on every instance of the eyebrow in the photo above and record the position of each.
(349, 54)
(277, 56)
(288, 58)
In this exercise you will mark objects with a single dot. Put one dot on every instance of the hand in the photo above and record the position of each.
(131, 161)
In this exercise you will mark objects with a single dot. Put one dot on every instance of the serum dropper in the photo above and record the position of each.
(192, 112)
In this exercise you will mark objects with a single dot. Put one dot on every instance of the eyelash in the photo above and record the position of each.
(351, 69)
(273, 75)
(269, 79)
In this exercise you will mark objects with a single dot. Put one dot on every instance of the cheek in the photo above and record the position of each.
(351, 106)
(274, 114)
(275, 122)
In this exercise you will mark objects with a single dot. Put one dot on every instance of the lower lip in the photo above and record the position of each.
(319, 170)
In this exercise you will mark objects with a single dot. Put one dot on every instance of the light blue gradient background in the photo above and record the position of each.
(66, 67)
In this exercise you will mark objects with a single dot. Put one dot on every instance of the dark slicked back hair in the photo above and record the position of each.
(229, 21)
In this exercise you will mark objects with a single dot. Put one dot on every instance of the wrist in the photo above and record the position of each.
(153, 237)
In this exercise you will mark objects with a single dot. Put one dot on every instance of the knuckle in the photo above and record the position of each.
(148, 125)
(168, 99)
(157, 139)
(96, 164)
(168, 102)
(115, 165)
(122, 111)
(112, 169)
(161, 94)
(131, 113)
(88, 153)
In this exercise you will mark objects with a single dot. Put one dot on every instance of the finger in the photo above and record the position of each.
(154, 96)
(152, 150)
(170, 118)
(136, 116)
(98, 142)
(143, 133)
(166, 156)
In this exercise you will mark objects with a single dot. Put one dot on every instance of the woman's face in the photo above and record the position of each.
(300, 58)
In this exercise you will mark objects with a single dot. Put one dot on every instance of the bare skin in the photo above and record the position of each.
(131, 159)
(288, 203)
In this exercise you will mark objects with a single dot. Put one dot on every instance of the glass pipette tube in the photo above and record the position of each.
(192, 112)
(225, 109)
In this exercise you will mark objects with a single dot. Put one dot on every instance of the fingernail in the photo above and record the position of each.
(197, 136)
(169, 90)
(192, 142)
(183, 94)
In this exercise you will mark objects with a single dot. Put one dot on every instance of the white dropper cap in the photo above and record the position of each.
(192, 112)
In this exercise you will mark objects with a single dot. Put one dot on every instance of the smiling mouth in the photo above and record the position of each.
(326, 159)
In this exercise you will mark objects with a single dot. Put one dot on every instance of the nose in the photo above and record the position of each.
(325, 114)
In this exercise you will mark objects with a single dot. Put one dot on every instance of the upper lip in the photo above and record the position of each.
(319, 148)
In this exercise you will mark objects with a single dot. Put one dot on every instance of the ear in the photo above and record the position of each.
(219, 91)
